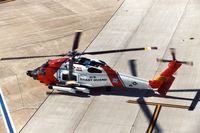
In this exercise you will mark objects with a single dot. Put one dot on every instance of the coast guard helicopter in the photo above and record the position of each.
(72, 73)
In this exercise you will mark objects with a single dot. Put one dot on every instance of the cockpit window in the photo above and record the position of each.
(45, 65)
(41, 70)
(82, 60)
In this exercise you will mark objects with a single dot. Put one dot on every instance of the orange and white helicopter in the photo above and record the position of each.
(73, 73)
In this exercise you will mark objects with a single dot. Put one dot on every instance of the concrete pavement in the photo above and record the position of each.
(172, 23)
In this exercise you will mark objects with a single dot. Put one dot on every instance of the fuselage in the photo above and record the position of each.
(87, 73)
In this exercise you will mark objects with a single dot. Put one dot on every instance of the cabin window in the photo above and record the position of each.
(65, 77)
(94, 70)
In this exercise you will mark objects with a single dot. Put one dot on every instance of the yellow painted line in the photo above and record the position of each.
(154, 118)
(162, 104)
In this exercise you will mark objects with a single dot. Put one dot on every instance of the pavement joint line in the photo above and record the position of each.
(92, 100)
(43, 41)
(169, 43)
(84, 114)
(105, 25)
(155, 104)
(35, 112)
(154, 118)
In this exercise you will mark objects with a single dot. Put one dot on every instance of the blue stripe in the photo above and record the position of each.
(6, 115)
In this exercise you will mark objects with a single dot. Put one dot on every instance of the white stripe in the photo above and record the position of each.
(8, 113)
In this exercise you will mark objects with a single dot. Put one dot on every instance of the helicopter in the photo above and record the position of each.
(71, 72)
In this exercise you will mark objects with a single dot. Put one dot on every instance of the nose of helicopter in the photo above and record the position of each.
(32, 74)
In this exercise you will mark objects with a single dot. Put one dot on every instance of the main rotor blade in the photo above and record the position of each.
(132, 66)
(30, 57)
(182, 62)
(173, 52)
(120, 50)
(76, 40)
(71, 69)
(190, 63)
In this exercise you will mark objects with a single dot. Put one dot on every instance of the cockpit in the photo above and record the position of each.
(38, 71)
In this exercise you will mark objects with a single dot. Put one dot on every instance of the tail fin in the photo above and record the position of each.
(164, 81)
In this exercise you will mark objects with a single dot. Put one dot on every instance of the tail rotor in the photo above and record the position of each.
(165, 79)
(173, 53)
